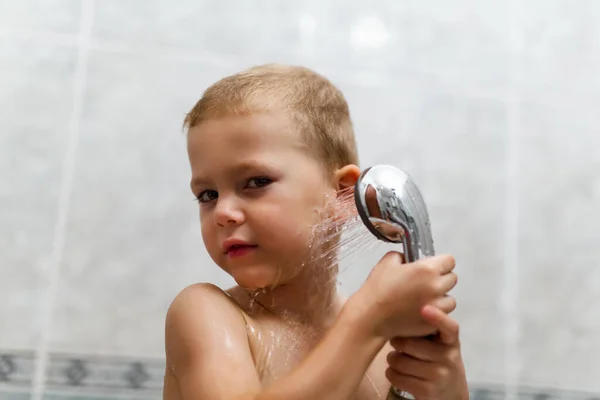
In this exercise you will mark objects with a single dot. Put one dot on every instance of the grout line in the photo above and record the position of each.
(68, 170)
(511, 251)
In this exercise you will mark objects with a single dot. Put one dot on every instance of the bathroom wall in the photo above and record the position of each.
(489, 104)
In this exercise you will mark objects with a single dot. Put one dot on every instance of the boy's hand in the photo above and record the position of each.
(394, 294)
(430, 369)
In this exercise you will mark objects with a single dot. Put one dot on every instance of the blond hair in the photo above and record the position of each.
(316, 106)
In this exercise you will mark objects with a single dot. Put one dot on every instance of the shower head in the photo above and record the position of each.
(393, 209)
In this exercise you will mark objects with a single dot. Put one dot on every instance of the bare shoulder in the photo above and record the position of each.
(201, 292)
(191, 320)
(202, 297)
(206, 344)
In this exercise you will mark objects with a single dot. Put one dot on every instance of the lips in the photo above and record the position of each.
(239, 251)
(237, 248)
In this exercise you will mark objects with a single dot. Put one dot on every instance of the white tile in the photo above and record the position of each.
(36, 99)
(559, 42)
(51, 16)
(559, 219)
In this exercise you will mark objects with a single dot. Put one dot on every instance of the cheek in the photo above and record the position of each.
(208, 235)
(284, 221)
(283, 224)
(294, 218)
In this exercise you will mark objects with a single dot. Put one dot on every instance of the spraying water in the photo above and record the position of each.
(340, 237)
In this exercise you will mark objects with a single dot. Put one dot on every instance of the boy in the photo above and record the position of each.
(267, 148)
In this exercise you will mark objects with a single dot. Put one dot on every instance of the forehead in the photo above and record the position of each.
(241, 139)
(249, 132)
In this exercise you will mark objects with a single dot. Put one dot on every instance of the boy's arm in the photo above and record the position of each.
(207, 347)
(208, 353)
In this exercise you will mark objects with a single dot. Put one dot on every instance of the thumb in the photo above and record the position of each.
(447, 327)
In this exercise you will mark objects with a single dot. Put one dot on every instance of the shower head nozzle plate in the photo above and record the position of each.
(392, 208)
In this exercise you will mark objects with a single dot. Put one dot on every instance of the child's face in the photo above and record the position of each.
(256, 185)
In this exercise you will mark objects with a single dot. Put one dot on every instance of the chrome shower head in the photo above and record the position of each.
(393, 209)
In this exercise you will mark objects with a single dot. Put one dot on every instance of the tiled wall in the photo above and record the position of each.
(489, 104)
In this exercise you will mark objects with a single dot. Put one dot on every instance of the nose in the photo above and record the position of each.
(228, 211)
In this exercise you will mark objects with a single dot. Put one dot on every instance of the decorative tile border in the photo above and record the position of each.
(16, 369)
(497, 392)
(84, 376)
(78, 377)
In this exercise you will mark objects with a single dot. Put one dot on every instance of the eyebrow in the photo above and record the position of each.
(236, 169)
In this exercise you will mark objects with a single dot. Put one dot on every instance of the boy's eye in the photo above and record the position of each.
(207, 195)
(255, 183)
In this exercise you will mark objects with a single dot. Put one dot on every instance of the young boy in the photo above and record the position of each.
(268, 147)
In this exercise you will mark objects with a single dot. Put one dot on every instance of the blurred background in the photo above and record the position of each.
(489, 104)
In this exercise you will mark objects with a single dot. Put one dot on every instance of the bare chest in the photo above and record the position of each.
(278, 349)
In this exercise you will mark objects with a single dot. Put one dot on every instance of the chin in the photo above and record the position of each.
(256, 276)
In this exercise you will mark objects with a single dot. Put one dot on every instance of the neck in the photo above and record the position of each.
(311, 298)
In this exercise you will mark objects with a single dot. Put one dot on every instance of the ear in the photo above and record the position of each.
(346, 176)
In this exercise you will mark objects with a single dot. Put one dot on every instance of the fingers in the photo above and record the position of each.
(447, 327)
(394, 257)
(390, 260)
(419, 388)
(419, 348)
(444, 264)
(407, 365)
(447, 304)
(447, 282)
